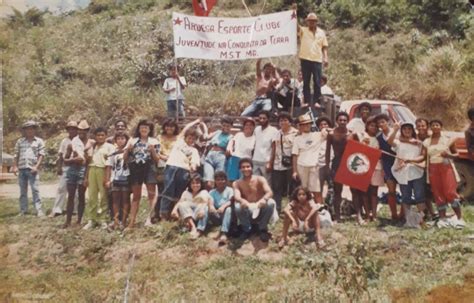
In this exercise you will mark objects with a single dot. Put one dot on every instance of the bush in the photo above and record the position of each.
(451, 15)
(344, 12)
(32, 17)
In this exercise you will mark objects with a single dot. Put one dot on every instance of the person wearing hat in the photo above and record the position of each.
(408, 172)
(239, 147)
(75, 158)
(61, 170)
(313, 55)
(29, 153)
(306, 147)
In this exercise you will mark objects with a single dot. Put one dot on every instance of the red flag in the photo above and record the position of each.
(203, 7)
(357, 165)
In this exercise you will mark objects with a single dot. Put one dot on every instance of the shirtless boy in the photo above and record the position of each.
(266, 82)
(337, 140)
(254, 203)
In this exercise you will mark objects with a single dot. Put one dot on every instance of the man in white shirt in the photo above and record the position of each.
(62, 169)
(264, 138)
(306, 148)
(357, 125)
(173, 87)
(325, 89)
(286, 92)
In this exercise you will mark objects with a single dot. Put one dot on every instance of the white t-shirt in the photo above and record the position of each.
(356, 125)
(288, 140)
(326, 90)
(63, 147)
(78, 147)
(203, 197)
(184, 156)
(263, 144)
(322, 150)
(406, 151)
(283, 89)
(307, 147)
(374, 143)
(242, 146)
(176, 94)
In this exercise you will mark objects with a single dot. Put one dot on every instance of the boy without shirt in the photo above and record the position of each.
(266, 82)
(253, 197)
(336, 141)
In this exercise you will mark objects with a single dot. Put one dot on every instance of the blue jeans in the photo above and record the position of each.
(222, 219)
(308, 69)
(414, 187)
(172, 108)
(256, 106)
(215, 161)
(25, 176)
(245, 216)
(190, 209)
(175, 182)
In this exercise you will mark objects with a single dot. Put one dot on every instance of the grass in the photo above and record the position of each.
(377, 262)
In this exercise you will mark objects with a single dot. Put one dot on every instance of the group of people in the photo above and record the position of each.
(232, 179)
(227, 178)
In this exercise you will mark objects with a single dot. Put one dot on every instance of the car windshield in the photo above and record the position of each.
(405, 114)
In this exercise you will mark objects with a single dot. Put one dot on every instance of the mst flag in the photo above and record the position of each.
(234, 38)
(357, 165)
(203, 7)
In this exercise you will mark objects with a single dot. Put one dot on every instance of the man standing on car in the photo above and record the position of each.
(313, 55)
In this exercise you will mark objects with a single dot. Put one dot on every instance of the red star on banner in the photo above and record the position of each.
(177, 21)
(293, 16)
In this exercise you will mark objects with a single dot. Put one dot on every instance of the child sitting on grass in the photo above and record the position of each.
(118, 174)
(302, 214)
(221, 212)
(193, 207)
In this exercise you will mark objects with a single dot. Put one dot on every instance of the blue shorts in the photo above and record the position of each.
(414, 191)
(75, 175)
(233, 171)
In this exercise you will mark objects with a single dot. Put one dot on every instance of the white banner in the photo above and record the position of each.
(234, 38)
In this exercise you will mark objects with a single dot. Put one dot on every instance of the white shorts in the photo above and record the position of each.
(309, 176)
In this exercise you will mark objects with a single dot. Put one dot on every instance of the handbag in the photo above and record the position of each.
(285, 160)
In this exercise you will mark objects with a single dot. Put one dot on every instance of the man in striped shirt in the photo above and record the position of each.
(29, 153)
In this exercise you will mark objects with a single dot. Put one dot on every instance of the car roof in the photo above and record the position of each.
(371, 101)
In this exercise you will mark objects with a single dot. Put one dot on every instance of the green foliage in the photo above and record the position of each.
(32, 17)
(450, 15)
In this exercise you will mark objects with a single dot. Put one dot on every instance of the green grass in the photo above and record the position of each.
(370, 263)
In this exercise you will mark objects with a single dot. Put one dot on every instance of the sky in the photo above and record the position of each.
(55, 6)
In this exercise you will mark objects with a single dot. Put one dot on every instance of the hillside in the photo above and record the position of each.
(109, 60)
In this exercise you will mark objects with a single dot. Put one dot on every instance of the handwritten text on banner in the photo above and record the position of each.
(234, 38)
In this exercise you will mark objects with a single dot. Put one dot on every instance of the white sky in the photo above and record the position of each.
(52, 5)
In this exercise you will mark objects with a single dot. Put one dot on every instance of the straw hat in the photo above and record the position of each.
(83, 125)
(29, 123)
(311, 17)
(71, 124)
(304, 119)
